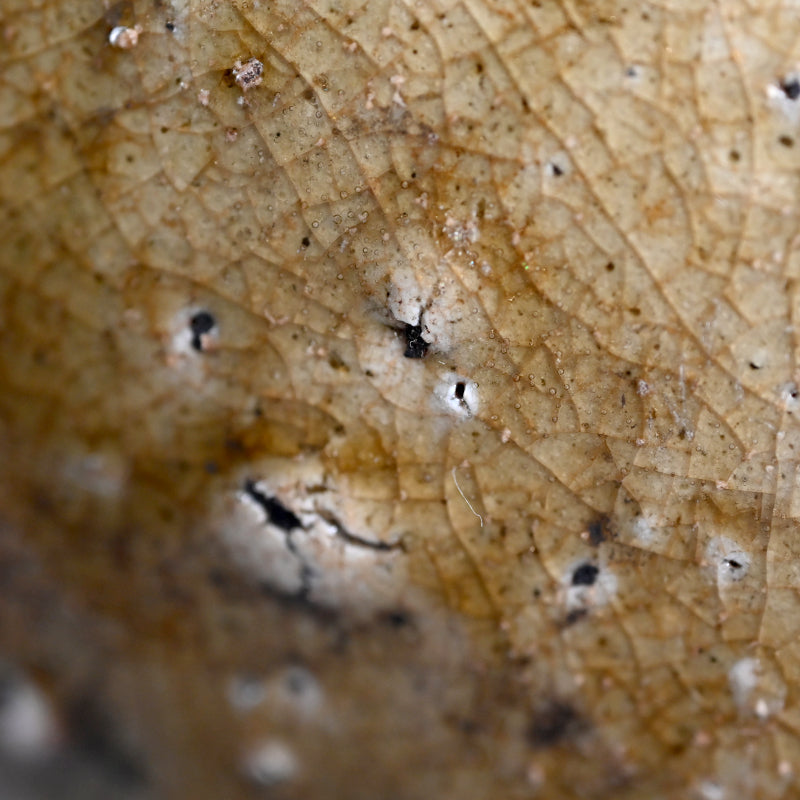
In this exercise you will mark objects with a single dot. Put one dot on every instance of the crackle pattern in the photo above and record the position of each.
(446, 349)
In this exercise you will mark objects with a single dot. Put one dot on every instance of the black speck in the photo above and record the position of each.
(276, 512)
(170, 26)
(574, 616)
(753, 365)
(552, 724)
(597, 533)
(416, 346)
(460, 386)
(557, 171)
(791, 88)
(397, 619)
(200, 323)
(305, 241)
(732, 563)
(216, 577)
(99, 736)
(585, 575)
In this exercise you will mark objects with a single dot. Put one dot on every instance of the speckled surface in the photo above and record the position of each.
(399, 400)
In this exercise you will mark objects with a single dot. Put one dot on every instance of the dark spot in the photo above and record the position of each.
(170, 26)
(335, 361)
(276, 512)
(791, 88)
(302, 602)
(299, 680)
(234, 445)
(753, 365)
(416, 346)
(557, 171)
(200, 323)
(610, 266)
(99, 735)
(597, 532)
(585, 575)
(734, 155)
(786, 141)
(414, 25)
(459, 392)
(397, 619)
(574, 616)
(305, 241)
(216, 577)
(553, 723)
(732, 563)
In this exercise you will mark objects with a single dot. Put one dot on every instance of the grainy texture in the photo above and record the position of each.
(413, 414)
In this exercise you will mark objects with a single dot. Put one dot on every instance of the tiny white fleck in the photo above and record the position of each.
(270, 762)
(124, 38)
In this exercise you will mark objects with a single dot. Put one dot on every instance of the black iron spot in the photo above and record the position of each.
(597, 532)
(557, 171)
(416, 346)
(170, 26)
(99, 735)
(305, 241)
(791, 88)
(574, 616)
(585, 575)
(553, 723)
(200, 323)
(732, 563)
(276, 512)
(397, 619)
(460, 387)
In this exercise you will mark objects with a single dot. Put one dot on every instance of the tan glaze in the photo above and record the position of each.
(551, 552)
